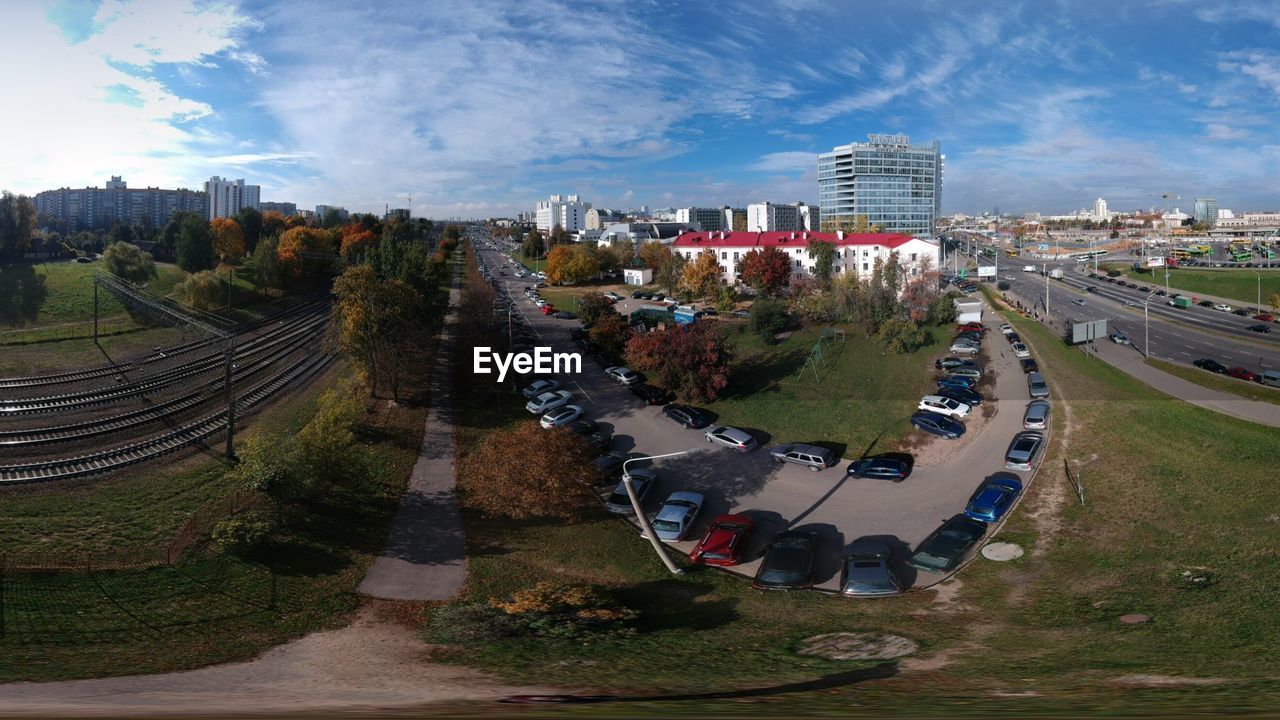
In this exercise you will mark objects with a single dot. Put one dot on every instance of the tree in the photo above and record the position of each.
(558, 236)
(691, 361)
(654, 254)
(120, 233)
(202, 290)
(902, 335)
(194, 250)
(267, 270)
(860, 225)
(549, 476)
(610, 333)
(250, 220)
(17, 224)
(765, 270)
(593, 307)
(129, 262)
(668, 275)
(168, 242)
(298, 240)
(379, 325)
(332, 218)
(768, 318)
(558, 263)
(273, 223)
(824, 257)
(739, 222)
(533, 246)
(356, 240)
(228, 239)
(1274, 301)
(701, 278)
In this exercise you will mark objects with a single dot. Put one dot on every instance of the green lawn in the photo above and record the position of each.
(1239, 285)
(62, 292)
(1214, 381)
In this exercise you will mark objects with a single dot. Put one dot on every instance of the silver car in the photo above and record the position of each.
(1036, 385)
(964, 347)
(811, 456)
(732, 437)
(1037, 415)
(1023, 450)
(867, 571)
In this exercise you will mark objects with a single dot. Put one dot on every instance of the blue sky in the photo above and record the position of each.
(480, 108)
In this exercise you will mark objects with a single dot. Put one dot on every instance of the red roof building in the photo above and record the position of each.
(857, 251)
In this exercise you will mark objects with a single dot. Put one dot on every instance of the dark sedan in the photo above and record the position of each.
(968, 397)
(788, 561)
(942, 551)
(649, 394)
(687, 416)
(1260, 328)
(591, 434)
(880, 468)
(936, 424)
(1029, 365)
(1210, 365)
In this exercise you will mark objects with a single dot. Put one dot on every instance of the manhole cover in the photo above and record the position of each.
(858, 646)
(1002, 551)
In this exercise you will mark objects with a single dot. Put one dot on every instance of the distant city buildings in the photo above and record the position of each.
(1206, 210)
(92, 207)
(702, 218)
(599, 218)
(638, 233)
(856, 253)
(287, 209)
(227, 197)
(1100, 212)
(323, 210)
(567, 211)
(398, 213)
(771, 217)
(895, 185)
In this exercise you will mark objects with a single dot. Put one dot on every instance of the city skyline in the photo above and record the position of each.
(481, 109)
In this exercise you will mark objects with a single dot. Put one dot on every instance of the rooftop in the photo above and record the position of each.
(797, 238)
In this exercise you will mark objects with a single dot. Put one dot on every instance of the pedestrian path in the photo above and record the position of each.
(425, 555)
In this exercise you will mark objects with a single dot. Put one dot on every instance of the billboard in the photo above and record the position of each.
(986, 271)
(1088, 330)
(1153, 262)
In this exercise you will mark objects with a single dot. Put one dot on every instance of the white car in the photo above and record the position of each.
(548, 401)
(1007, 329)
(964, 347)
(622, 375)
(539, 387)
(676, 516)
(613, 296)
(561, 416)
(540, 302)
(1120, 338)
(1223, 307)
(1021, 351)
(944, 406)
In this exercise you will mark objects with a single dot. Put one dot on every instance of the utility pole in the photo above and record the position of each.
(645, 527)
(229, 358)
(1255, 272)
(1146, 327)
(1046, 292)
(95, 309)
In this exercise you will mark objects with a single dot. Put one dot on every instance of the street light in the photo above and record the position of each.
(1259, 274)
(645, 527)
(1146, 327)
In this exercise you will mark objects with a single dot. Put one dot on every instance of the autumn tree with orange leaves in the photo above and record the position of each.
(298, 240)
(691, 361)
(766, 270)
(550, 476)
(701, 276)
(228, 239)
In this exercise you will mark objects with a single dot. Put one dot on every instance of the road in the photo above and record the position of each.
(841, 509)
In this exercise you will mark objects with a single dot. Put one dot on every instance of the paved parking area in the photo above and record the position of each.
(841, 509)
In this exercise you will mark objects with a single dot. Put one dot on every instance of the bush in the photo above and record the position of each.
(268, 464)
(202, 290)
(768, 318)
(469, 623)
(565, 611)
(244, 532)
(903, 336)
(129, 262)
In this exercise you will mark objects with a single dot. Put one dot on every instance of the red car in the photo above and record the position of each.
(725, 540)
(1264, 317)
(548, 309)
(1243, 374)
(971, 327)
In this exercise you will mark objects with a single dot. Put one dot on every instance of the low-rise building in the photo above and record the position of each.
(600, 218)
(855, 253)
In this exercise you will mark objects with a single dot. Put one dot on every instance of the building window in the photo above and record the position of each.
(864, 267)
(797, 263)
(724, 255)
(914, 256)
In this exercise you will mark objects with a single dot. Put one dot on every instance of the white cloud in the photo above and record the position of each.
(791, 161)
(1220, 131)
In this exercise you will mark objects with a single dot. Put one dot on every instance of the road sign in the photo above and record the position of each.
(986, 271)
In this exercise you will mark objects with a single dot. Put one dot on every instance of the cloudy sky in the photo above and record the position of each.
(478, 108)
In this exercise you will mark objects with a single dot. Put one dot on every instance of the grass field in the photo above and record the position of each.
(62, 292)
(1214, 381)
(1239, 285)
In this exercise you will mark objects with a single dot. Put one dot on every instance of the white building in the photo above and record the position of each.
(856, 253)
(228, 197)
(1100, 210)
(567, 211)
(702, 218)
(768, 217)
(638, 233)
(600, 218)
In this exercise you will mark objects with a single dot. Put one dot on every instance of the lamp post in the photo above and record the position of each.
(645, 527)
(1259, 274)
(1146, 327)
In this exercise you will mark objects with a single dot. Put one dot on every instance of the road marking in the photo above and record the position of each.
(584, 392)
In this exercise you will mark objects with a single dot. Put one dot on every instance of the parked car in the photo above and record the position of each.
(613, 296)
(947, 363)
(993, 499)
(1036, 385)
(1006, 328)
(971, 337)
(973, 372)
(687, 416)
(1260, 328)
(1024, 450)
(956, 381)
(811, 456)
(547, 309)
(867, 571)
(879, 468)
(1242, 374)
(971, 327)
(1264, 317)
(676, 516)
(964, 347)
(936, 424)
(607, 466)
(1242, 312)
(562, 415)
(1210, 365)
(649, 394)
(538, 387)
(564, 315)
(1223, 307)
(732, 437)
(967, 396)
(788, 561)
(619, 502)
(724, 541)
(1020, 350)
(949, 407)
(1036, 416)
(1013, 338)
(942, 551)
(1205, 303)
(591, 434)
(548, 401)
(622, 375)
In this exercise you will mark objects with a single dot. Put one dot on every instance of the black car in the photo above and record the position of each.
(1205, 303)
(687, 416)
(1210, 365)
(942, 551)
(1161, 293)
(950, 363)
(880, 468)
(590, 432)
(1029, 365)
(1241, 312)
(788, 561)
(564, 315)
(1013, 338)
(608, 466)
(636, 295)
(937, 424)
(973, 336)
(649, 394)
(1260, 328)
(968, 397)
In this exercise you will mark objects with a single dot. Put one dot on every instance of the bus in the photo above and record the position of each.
(1266, 252)
(1241, 255)
(1087, 255)
(1180, 254)
(1011, 252)
(1199, 249)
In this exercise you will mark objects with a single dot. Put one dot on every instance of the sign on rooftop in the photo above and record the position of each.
(878, 139)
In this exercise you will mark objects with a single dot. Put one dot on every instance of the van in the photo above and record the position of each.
(1270, 377)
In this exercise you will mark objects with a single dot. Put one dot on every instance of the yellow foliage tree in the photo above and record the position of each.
(701, 277)
(228, 239)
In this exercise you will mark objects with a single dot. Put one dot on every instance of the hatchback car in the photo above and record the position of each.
(942, 551)
(732, 437)
(676, 516)
(936, 424)
(724, 541)
(811, 456)
(687, 416)
(788, 561)
(879, 468)
(1120, 338)
(1024, 450)
(1020, 350)
(562, 415)
(993, 499)
(1210, 365)
(538, 387)
(622, 375)
(1036, 416)
(867, 571)
(619, 502)
(943, 406)
(548, 401)
(1036, 385)
(964, 347)
(649, 394)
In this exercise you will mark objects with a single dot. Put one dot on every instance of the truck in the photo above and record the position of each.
(1056, 273)
(1181, 302)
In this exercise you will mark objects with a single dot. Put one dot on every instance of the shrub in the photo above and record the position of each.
(244, 532)
(202, 290)
(565, 611)
(129, 262)
(469, 623)
(768, 318)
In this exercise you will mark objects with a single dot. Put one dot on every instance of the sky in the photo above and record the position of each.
(479, 108)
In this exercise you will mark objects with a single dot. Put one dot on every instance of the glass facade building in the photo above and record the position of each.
(1206, 210)
(897, 186)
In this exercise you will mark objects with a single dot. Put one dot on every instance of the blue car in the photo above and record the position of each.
(956, 381)
(940, 425)
(968, 397)
(993, 499)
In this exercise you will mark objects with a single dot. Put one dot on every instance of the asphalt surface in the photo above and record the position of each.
(843, 510)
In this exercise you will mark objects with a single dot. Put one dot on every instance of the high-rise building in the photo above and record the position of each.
(1100, 210)
(322, 211)
(895, 185)
(567, 211)
(735, 219)
(1206, 210)
(117, 203)
(286, 209)
(770, 217)
(228, 197)
(701, 218)
(400, 213)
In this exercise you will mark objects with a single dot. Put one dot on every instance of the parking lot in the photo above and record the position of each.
(776, 497)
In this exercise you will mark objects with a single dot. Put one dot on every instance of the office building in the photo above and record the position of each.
(1206, 210)
(286, 209)
(702, 218)
(770, 217)
(895, 185)
(567, 211)
(94, 207)
(322, 211)
(735, 219)
(600, 218)
(227, 197)
(398, 213)
(1100, 210)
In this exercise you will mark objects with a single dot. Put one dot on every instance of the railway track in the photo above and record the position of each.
(115, 458)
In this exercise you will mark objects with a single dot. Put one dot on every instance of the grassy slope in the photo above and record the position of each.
(1214, 381)
(1238, 285)
(65, 292)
